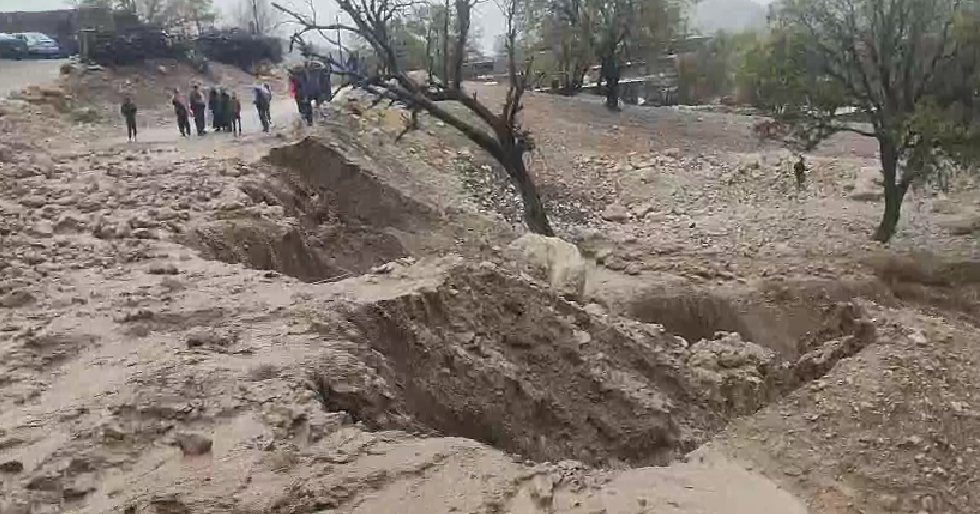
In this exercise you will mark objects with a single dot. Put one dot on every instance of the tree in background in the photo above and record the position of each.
(168, 14)
(256, 16)
(714, 70)
(498, 133)
(579, 33)
(907, 69)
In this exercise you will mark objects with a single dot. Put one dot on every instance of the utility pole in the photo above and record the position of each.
(340, 44)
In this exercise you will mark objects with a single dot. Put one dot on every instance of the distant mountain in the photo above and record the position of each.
(710, 16)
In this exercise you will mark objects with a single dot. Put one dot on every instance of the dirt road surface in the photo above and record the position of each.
(16, 75)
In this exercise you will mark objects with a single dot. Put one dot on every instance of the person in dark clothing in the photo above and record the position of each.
(213, 107)
(197, 107)
(225, 102)
(128, 110)
(307, 93)
(799, 169)
(180, 110)
(236, 115)
(262, 107)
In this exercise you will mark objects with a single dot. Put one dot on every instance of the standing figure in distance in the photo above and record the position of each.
(799, 170)
(267, 91)
(128, 110)
(197, 107)
(225, 103)
(213, 107)
(261, 106)
(183, 123)
(236, 115)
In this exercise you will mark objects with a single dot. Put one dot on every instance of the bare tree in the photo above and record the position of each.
(257, 16)
(501, 134)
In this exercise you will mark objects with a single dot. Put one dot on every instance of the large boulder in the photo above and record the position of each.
(867, 185)
(616, 212)
(963, 224)
(551, 259)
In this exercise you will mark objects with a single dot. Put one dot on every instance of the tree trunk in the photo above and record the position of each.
(535, 215)
(446, 79)
(894, 192)
(610, 73)
(462, 34)
(612, 92)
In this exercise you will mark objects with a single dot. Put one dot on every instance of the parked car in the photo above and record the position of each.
(40, 44)
(12, 47)
(68, 45)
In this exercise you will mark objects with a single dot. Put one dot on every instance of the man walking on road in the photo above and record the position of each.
(181, 111)
(197, 107)
(261, 102)
(128, 110)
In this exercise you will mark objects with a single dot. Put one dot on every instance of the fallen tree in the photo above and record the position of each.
(502, 136)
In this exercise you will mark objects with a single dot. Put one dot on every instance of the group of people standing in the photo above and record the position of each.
(225, 109)
(310, 83)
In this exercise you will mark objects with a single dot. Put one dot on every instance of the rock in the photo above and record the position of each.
(643, 209)
(944, 205)
(633, 268)
(542, 491)
(43, 228)
(193, 444)
(867, 185)
(672, 152)
(733, 374)
(615, 263)
(208, 337)
(616, 212)
(163, 269)
(963, 224)
(322, 424)
(889, 502)
(34, 201)
(15, 299)
(554, 260)
(12, 466)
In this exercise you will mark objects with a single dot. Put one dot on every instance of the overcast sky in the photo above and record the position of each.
(488, 16)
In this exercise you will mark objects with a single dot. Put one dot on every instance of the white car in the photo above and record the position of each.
(39, 44)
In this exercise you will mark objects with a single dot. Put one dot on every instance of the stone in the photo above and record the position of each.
(322, 424)
(868, 185)
(34, 201)
(12, 466)
(551, 259)
(889, 502)
(616, 212)
(193, 444)
(643, 209)
(207, 337)
(962, 225)
(43, 228)
(15, 299)
(163, 269)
